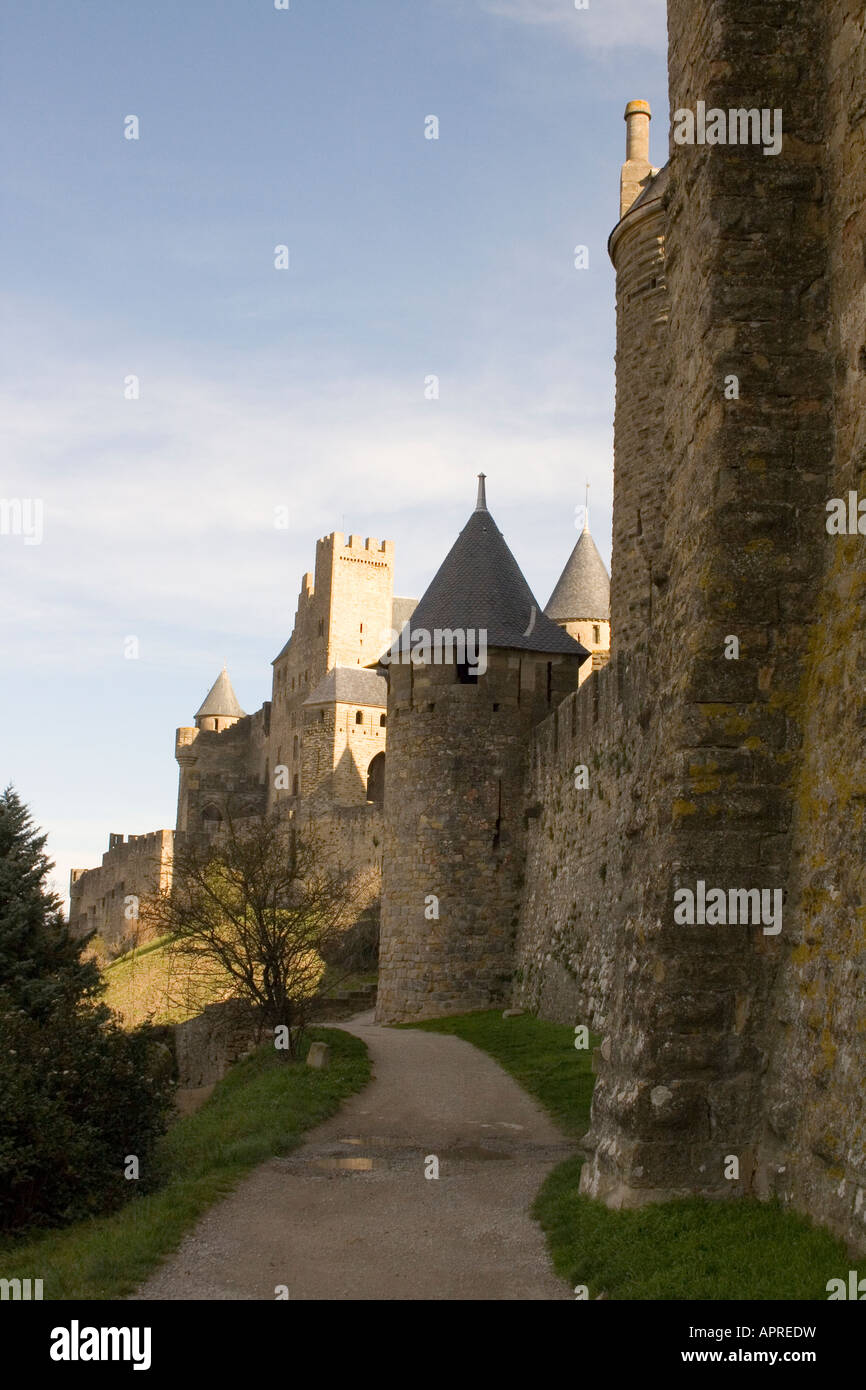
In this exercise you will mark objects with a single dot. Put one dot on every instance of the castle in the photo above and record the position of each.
(315, 752)
(538, 829)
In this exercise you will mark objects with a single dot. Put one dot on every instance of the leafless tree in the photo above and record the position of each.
(252, 913)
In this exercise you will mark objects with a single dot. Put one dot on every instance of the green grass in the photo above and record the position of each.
(689, 1249)
(686, 1249)
(259, 1110)
(141, 984)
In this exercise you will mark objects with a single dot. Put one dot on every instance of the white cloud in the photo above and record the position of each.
(605, 24)
(159, 513)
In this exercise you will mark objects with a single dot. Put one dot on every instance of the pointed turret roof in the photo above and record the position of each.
(479, 586)
(583, 589)
(221, 702)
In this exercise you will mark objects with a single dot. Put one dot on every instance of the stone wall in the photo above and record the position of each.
(108, 899)
(586, 817)
(716, 1033)
(814, 1145)
(207, 1045)
(350, 838)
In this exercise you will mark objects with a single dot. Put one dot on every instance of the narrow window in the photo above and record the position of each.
(359, 717)
(466, 674)
(596, 634)
(383, 719)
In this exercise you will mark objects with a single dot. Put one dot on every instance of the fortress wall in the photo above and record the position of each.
(690, 1025)
(132, 867)
(351, 839)
(815, 1125)
(584, 846)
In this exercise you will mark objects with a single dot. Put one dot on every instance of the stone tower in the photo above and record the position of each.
(220, 708)
(343, 619)
(580, 602)
(458, 741)
(637, 249)
(735, 1036)
(215, 762)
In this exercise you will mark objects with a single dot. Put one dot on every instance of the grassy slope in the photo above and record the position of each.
(261, 1108)
(138, 985)
(675, 1250)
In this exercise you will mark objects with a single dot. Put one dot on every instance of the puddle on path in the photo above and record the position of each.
(350, 1165)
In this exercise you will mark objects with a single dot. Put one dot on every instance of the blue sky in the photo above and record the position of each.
(302, 388)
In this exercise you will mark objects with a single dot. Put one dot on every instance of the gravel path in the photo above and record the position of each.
(350, 1215)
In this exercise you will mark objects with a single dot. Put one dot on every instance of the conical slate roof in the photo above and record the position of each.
(221, 702)
(583, 589)
(479, 586)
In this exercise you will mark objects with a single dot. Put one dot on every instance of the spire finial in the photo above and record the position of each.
(481, 504)
(586, 509)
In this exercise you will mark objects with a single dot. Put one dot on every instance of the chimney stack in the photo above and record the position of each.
(637, 168)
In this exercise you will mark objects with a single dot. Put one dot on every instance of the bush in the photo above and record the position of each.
(78, 1097)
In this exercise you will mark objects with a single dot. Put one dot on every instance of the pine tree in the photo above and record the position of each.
(40, 963)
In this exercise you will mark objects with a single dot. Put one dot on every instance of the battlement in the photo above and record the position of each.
(121, 848)
(354, 549)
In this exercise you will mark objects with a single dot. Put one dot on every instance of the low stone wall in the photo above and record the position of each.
(206, 1046)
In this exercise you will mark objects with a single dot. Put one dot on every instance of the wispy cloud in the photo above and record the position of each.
(160, 513)
(605, 24)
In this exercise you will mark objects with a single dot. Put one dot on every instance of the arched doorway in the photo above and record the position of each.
(376, 780)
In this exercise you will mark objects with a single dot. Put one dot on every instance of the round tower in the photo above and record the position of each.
(220, 708)
(580, 602)
(637, 250)
(476, 669)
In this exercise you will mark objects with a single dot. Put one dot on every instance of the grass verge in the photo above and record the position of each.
(259, 1110)
(689, 1249)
